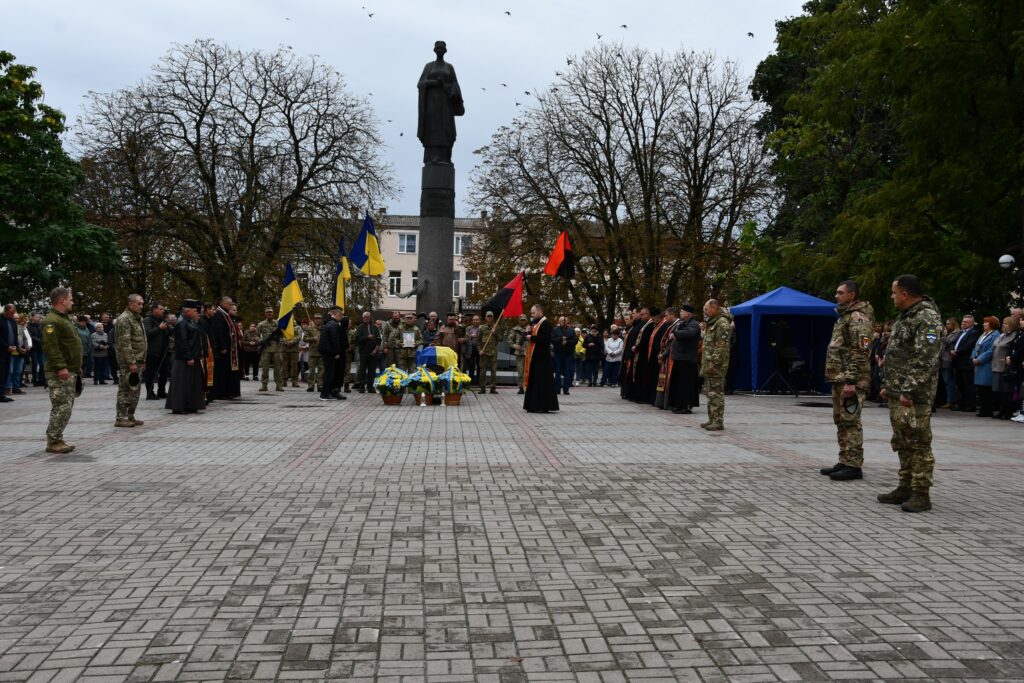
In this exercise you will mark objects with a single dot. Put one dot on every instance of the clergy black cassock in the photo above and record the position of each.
(626, 373)
(227, 379)
(638, 368)
(541, 395)
(650, 389)
(187, 381)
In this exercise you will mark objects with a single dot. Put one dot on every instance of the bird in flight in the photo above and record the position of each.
(508, 14)
(568, 62)
(749, 34)
(401, 135)
(287, 18)
(504, 85)
(526, 92)
(518, 105)
(389, 120)
(484, 89)
(599, 36)
(624, 26)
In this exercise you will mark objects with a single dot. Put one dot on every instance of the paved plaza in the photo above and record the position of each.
(284, 538)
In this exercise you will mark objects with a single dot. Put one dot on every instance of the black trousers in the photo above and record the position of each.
(965, 390)
(683, 384)
(332, 375)
(154, 372)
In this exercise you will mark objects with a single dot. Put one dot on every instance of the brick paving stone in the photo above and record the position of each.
(281, 538)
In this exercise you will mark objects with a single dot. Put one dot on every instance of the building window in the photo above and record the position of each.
(406, 243)
(456, 293)
(415, 279)
(394, 282)
(471, 282)
(463, 244)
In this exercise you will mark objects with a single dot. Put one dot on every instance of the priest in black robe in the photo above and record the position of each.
(638, 368)
(539, 376)
(629, 341)
(188, 379)
(227, 379)
(653, 358)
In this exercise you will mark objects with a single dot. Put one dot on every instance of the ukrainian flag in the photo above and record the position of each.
(291, 296)
(365, 254)
(342, 275)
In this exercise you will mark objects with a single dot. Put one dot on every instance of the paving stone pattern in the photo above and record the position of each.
(283, 538)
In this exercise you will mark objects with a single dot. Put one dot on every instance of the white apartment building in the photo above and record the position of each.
(399, 238)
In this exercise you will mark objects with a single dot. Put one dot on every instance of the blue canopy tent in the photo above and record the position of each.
(779, 328)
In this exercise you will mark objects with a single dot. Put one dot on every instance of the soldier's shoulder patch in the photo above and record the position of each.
(932, 335)
(49, 328)
(865, 341)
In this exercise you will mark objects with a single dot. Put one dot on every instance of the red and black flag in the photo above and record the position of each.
(561, 262)
(508, 303)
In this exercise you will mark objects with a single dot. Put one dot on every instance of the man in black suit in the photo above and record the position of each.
(333, 347)
(961, 353)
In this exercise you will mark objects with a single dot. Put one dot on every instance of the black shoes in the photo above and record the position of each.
(682, 411)
(521, 391)
(829, 470)
(846, 474)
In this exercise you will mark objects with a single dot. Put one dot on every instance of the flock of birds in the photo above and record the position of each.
(568, 61)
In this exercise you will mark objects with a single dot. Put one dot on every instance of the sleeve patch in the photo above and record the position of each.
(865, 342)
(49, 328)
(932, 335)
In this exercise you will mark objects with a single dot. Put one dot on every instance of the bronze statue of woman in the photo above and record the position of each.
(440, 101)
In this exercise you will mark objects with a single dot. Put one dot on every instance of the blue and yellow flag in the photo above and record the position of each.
(342, 275)
(365, 254)
(291, 296)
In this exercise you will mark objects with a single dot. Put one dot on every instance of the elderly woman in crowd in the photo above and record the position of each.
(1004, 376)
(100, 355)
(981, 357)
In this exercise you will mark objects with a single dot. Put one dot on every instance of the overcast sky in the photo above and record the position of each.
(104, 45)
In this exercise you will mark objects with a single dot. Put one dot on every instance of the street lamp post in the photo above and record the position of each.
(1008, 263)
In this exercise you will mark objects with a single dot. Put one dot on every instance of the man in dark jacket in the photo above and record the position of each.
(35, 331)
(563, 347)
(683, 353)
(368, 342)
(157, 338)
(961, 353)
(333, 349)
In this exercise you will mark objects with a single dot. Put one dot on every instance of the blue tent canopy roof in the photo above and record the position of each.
(785, 301)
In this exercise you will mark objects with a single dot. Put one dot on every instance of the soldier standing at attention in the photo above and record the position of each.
(131, 355)
(315, 374)
(391, 341)
(406, 338)
(289, 353)
(489, 352)
(715, 362)
(911, 378)
(517, 342)
(63, 367)
(848, 369)
(270, 340)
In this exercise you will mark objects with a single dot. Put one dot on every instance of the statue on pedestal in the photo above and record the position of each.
(440, 101)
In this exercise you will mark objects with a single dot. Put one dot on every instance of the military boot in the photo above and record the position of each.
(901, 494)
(848, 473)
(264, 388)
(829, 470)
(714, 426)
(59, 447)
(279, 387)
(138, 423)
(919, 502)
(123, 422)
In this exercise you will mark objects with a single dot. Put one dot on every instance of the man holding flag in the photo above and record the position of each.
(291, 297)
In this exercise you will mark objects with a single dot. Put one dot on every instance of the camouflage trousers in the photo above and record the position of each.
(714, 387)
(272, 358)
(912, 441)
(488, 365)
(315, 375)
(127, 395)
(62, 400)
(849, 429)
(290, 367)
(406, 361)
(520, 369)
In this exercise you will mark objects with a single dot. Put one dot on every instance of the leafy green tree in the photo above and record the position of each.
(44, 234)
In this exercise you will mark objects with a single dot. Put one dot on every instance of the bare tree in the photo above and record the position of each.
(229, 162)
(650, 161)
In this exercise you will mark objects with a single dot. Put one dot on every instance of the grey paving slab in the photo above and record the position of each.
(282, 538)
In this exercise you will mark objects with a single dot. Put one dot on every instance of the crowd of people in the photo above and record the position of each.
(913, 365)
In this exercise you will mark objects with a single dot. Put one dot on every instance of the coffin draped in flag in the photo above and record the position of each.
(561, 262)
(508, 303)
(437, 355)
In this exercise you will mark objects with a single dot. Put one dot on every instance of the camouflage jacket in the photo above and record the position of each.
(391, 340)
(848, 359)
(490, 349)
(266, 328)
(312, 337)
(62, 343)
(396, 337)
(715, 360)
(130, 339)
(517, 340)
(912, 358)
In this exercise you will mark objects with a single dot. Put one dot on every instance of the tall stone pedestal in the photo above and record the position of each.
(437, 238)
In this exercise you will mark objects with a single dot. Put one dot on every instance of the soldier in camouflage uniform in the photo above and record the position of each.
(517, 342)
(405, 354)
(848, 369)
(271, 352)
(315, 374)
(63, 367)
(130, 340)
(350, 357)
(714, 364)
(911, 378)
(489, 352)
(391, 342)
(289, 353)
